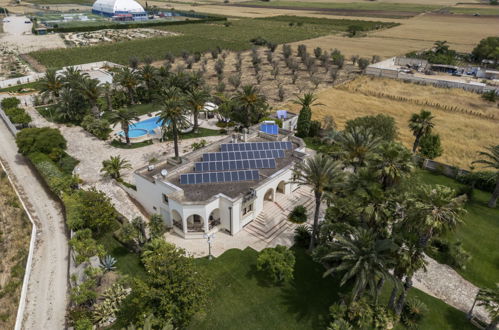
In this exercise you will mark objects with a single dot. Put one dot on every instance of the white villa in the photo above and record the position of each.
(223, 186)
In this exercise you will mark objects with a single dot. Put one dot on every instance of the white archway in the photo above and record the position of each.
(195, 222)
(281, 187)
(177, 219)
(214, 219)
(269, 195)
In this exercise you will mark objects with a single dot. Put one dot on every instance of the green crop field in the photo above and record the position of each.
(379, 6)
(62, 2)
(202, 38)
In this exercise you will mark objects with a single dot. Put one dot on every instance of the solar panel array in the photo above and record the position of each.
(270, 129)
(214, 177)
(241, 155)
(256, 146)
(236, 162)
(232, 165)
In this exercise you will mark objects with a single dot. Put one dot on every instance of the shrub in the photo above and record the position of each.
(85, 246)
(483, 180)
(468, 191)
(490, 96)
(42, 140)
(57, 181)
(298, 214)
(315, 128)
(97, 127)
(278, 263)
(452, 254)
(18, 116)
(259, 41)
(430, 146)
(10, 102)
(413, 312)
(382, 126)
(302, 236)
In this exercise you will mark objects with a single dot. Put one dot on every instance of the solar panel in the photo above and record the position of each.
(252, 146)
(214, 177)
(241, 155)
(270, 129)
(231, 165)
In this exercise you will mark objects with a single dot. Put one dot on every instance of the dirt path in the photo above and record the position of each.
(47, 289)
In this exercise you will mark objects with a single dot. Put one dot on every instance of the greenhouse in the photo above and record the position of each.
(119, 9)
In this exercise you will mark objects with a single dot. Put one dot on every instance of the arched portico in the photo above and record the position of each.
(269, 195)
(214, 219)
(177, 220)
(195, 222)
(281, 187)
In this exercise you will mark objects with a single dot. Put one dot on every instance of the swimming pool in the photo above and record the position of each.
(143, 127)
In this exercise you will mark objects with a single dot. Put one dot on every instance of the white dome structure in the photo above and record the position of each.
(112, 8)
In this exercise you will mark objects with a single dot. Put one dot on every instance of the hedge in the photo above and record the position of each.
(133, 25)
(483, 180)
(57, 181)
(18, 116)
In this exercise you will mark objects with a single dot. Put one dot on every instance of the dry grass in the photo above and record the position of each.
(15, 230)
(420, 32)
(462, 135)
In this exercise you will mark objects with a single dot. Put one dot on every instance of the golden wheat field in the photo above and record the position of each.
(462, 135)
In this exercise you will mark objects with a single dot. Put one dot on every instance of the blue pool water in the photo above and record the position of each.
(143, 127)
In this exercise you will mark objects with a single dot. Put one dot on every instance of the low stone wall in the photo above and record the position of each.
(9, 124)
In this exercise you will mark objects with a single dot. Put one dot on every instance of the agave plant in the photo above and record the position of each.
(108, 263)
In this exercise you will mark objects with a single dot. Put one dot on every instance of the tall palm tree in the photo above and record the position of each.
(51, 85)
(391, 162)
(356, 146)
(489, 299)
(251, 106)
(196, 98)
(112, 167)
(107, 90)
(360, 256)
(490, 159)
(91, 91)
(319, 173)
(420, 124)
(173, 115)
(307, 101)
(435, 210)
(125, 117)
(128, 79)
(148, 74)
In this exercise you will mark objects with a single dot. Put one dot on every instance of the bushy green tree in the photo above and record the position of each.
(278, 263)
(430, 146)
(157, 227)
(304, 118)
(487, 49)
(172, 290)
(381, 126)
(9, 102)
(43, 140)
(85, 246)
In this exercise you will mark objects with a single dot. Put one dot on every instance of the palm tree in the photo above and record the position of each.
(319, 173)
(172, 116)
(51, 85)
(128, 79)
(72, 77)
(490, 159)
(251, 106)
(435, 210)
(196, 98)
(125, 118)
(306, 102)
(148, 74)
(91, 91)
(107, 89)
(420, 124)
(360, 256)
(391, 162)
(357, 145)
(489, 299)
(112, 167)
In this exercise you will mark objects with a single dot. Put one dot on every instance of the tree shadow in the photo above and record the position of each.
(261, 278)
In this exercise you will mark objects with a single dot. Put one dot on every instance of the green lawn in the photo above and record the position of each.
(479, 235)
(243, 299)
(19, 88)
(202, 132)
(127, 263)
(200, 38)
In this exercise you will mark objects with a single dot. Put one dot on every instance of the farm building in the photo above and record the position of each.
(119, 8)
